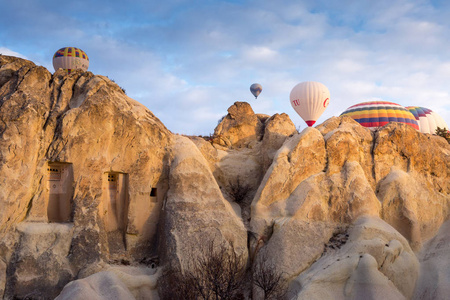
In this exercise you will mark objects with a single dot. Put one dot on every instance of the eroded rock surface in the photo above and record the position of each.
(330, 177)
(132, 283)
(240, 127)
(376, 262)
(69, 140)
(195, 211)
(92, 181)
(434, 261)
(40, 266)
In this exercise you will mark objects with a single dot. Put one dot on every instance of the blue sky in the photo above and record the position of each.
(188, 61)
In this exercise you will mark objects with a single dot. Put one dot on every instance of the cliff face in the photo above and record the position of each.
(91, 182)
(76, 150)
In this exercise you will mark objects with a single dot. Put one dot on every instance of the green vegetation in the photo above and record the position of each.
(444, 133)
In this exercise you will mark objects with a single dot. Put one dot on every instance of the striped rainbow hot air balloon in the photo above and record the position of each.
(70, 58)
(375, 114)
(427, 119)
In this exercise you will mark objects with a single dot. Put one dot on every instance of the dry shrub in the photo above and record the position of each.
(214, 272)
(269, 280)
(239, 190)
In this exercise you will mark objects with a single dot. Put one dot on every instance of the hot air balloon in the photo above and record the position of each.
(375, 114)
(310, 99)
(70, 58)
(256, 89)
(427, 119)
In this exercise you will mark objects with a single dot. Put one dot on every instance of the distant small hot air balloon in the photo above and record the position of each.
(256, 89)
(310, 99)
(427, 119)
(70, 58)
(375, 114)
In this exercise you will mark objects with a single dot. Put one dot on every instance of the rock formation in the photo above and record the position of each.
(99, 198)
(434, 261)
(76, 141)
(195, 210)
(375, 262)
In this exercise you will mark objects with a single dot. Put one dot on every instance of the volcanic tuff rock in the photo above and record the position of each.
(277, 128)
(376, 262)
(195, 209)
(434, 261)
(94, 190)
(116, 282)
(240, 127)
(242, 148)
(86, 125)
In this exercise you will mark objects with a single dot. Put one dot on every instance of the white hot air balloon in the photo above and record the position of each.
(310, 99)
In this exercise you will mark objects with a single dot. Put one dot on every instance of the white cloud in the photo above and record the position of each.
(6, 51)
(259, 54)
(391, 50)
(189, 62)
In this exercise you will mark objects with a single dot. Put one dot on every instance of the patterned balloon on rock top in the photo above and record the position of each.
(310, 99)
(428, 120)
(256, 89)
(70, 58)
(375, 114)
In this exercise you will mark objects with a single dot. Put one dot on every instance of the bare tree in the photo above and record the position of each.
(174, 285)
(268, 279)
(213, 273)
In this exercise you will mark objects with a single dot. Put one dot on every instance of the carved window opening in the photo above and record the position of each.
(60, 191)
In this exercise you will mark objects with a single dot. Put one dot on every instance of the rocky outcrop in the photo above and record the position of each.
(240, 127)
(228, 165)
(100, 286)
(71, 146)
(97, 192)
(40, 249)
(339, 169)
(375, 262)
(114, 283)
(277, 129)
(434, 261)
(415, 210)
(96, 136)
(242, 149)
(330, 177)
(413, 181)
(195, 211)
